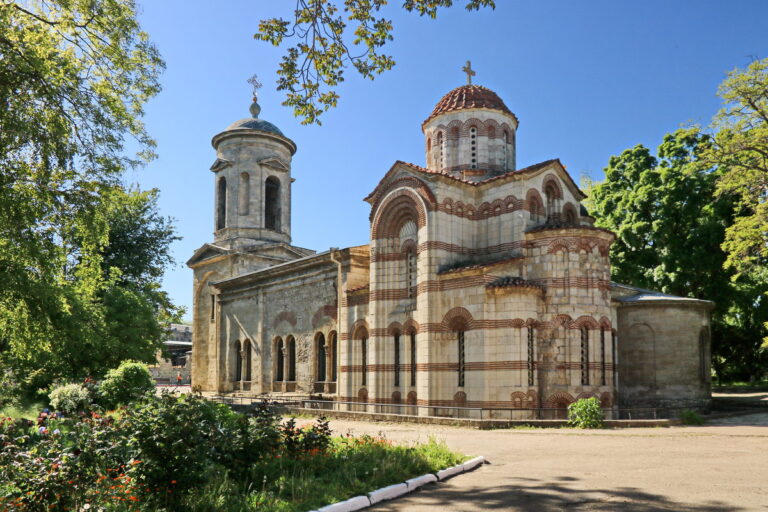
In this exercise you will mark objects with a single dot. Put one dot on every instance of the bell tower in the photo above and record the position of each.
(252, 183)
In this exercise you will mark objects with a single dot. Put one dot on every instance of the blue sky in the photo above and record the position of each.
(587, 79)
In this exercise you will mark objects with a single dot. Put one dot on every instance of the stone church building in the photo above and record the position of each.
(484, 285)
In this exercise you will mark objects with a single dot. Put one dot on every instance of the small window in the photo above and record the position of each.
(213, 307)
(320, 354)
(413, 358)
(397, 359)
(364, 359)
(602, 356)
(272, 204)
(221, 203)
(462, 363)
(584, 356)
(473, 146)
(531, 339)
(410, 272)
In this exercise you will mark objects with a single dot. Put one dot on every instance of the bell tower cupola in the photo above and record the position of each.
(252, 182)
(470, 133)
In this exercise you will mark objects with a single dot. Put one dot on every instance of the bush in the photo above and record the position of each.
(125, 384)
(70, 398)
(691, 418)
(585, 413)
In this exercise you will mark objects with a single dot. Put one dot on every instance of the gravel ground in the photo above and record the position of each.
(722, 466)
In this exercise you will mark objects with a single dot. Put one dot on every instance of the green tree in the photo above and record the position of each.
(328, 38)
(670, 225)
(74, 77)
(740, 148)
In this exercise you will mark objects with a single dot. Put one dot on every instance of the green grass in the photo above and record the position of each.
(353, 466)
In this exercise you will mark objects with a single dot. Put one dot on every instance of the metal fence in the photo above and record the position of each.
(477, 413)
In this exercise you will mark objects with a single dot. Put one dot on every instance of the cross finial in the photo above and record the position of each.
(254, 81)
(469, 71)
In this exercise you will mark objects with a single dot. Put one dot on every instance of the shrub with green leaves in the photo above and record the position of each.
(125, 384)
(689, 417)
(70, 398)
(585, 413)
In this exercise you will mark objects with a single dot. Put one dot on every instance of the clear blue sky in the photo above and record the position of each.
(587, 79)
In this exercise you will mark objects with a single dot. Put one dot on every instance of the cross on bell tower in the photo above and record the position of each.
(469, 71)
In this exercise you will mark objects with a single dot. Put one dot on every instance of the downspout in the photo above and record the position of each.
(334, 251)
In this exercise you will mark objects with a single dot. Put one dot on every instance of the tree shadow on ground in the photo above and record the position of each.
(530, 495)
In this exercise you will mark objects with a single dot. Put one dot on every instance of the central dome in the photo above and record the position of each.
(466, 97)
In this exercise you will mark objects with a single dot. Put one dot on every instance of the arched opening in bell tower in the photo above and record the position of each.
(221, 203)
(272, 204)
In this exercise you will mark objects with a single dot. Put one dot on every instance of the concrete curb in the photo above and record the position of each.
(397, 490)
(387, 493)
(420, 481)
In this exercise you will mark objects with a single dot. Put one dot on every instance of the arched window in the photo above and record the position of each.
(244, 194)
(553, 201)
(505, 156)
(440, 149)
(602, 356)
(334, 357)
(272, 204)
(221, 203)
(291, 342)
(413, 357)
(247, 357)
(410, 271)
(279, 360)
(536, 208)
(364, 358)
(569, 215)
(397, 358)
(320, 344)
(531, 339)
(473, 146)
(238, 362)
(462, 362)
(584, 356)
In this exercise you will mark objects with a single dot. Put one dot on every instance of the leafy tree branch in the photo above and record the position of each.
(329, 36)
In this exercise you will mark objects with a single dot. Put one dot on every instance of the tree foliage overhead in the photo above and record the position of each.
(74, 77)
(740, 147)
(330, 35)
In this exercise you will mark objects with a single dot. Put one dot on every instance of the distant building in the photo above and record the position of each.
(179, 347)
(483, 285)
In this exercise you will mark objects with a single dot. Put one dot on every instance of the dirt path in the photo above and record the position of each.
(718, 467)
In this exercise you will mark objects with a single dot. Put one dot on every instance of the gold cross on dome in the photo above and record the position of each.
(469, 71)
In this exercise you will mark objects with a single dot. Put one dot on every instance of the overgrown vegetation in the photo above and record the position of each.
(586, 413)
(188, 454)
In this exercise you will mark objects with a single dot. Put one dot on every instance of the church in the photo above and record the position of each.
(484, 286)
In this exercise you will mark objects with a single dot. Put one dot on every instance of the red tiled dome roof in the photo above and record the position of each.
(468, 96)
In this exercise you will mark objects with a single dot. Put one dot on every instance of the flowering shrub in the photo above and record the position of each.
(70, 398)
(188, 454)
(585, 413)
(125, 384)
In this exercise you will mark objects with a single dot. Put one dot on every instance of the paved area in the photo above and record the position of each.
(722, 466)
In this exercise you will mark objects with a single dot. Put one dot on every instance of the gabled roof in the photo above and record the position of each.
(207, 251)
(502, 178)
